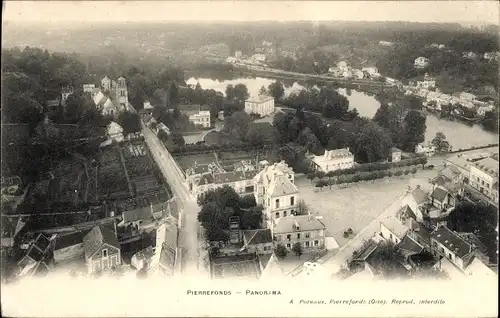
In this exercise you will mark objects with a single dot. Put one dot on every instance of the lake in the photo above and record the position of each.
(458, 134)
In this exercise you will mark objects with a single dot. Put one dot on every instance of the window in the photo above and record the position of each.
(288, 245)
(289, 237)
(284, 213)
(277, 214)
(441, 249)
(298, 236)
(292, 200)
(308, 235)
(307, 244)
(449, 255)
(390, 236)
(268, 202)
(104, 253)
(316, 243)
(277, 203)
(482, 182)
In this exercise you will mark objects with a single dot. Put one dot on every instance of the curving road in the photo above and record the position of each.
(188, 234)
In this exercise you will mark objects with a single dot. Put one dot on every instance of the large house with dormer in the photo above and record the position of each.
(275, 189)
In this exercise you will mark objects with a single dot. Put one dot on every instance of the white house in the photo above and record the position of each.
(147, 105)
(385, 43)
(335, 71)
(484, 177)
(427, 83)
(342, 65)
(346, 74)
(88, 88)
(334, 160)
(238, 54)
(262, 105)
(358, 74)
(65, 92)
(306, 230)
(421, 62)
(114, 132)
(259, 57)
(482, 110)
(202, 118)
(372, 71)
(429, 151)
(231, 59)
(392, 229)
(467, 96)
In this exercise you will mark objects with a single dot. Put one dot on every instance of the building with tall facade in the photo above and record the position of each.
(261, 105)
(334, 160)
(111, 97)
(275, 189)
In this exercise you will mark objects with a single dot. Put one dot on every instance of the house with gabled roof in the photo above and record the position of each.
(101, 249)
(307, 230)
(258, 241)
(37, 258)
(68, 247)
(450, 245)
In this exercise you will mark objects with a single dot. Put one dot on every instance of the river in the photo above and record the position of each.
(459, 135)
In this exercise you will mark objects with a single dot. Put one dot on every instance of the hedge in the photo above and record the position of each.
(363, 176)
(373, 167)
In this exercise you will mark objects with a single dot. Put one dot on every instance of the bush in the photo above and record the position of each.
(398, 173)
(407, 172)
(414, 170)
(356, 178)
(390, 174)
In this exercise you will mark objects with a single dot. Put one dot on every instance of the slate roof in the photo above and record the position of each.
(98, 236)
(289, 224)
(472, 239)
(228, 177)
(439, 194)
(410, 245)
(452, 241)
(67, 240)
(366, 251)
(282, 186)
(260, 236)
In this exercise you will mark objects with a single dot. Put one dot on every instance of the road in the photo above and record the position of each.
(188, 234)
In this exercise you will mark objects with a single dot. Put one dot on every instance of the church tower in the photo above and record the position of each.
(122, 92)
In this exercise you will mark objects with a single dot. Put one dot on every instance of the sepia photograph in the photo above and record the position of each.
(250, 158)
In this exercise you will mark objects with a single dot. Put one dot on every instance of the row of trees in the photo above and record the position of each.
(362, 176)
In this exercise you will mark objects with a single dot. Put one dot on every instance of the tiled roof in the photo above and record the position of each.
(395, 226)
(67, 240)
(452, 241)
(260, 236)
(282, 186)
(439, 194)
(98, 236)
(303, 222)
(472, 239)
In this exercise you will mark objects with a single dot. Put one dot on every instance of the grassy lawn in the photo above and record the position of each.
(357, 205)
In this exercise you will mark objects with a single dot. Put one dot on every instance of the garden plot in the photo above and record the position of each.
(186, 162)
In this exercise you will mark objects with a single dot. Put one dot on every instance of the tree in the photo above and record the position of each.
(276, 90)
(490, 121)
(178, 139)
(240, 92)
(477, 218)
(387, 259)
(215, 221)
(414, 131)
(130, 122)
(440, 142)
(263, 91)
(302, 208)
(372, 144)
(297, 249)
(237, 125)
(382, 116)
(162, 135)
(311, 175)
(247, 201)
(230, 93)
(280, 251)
